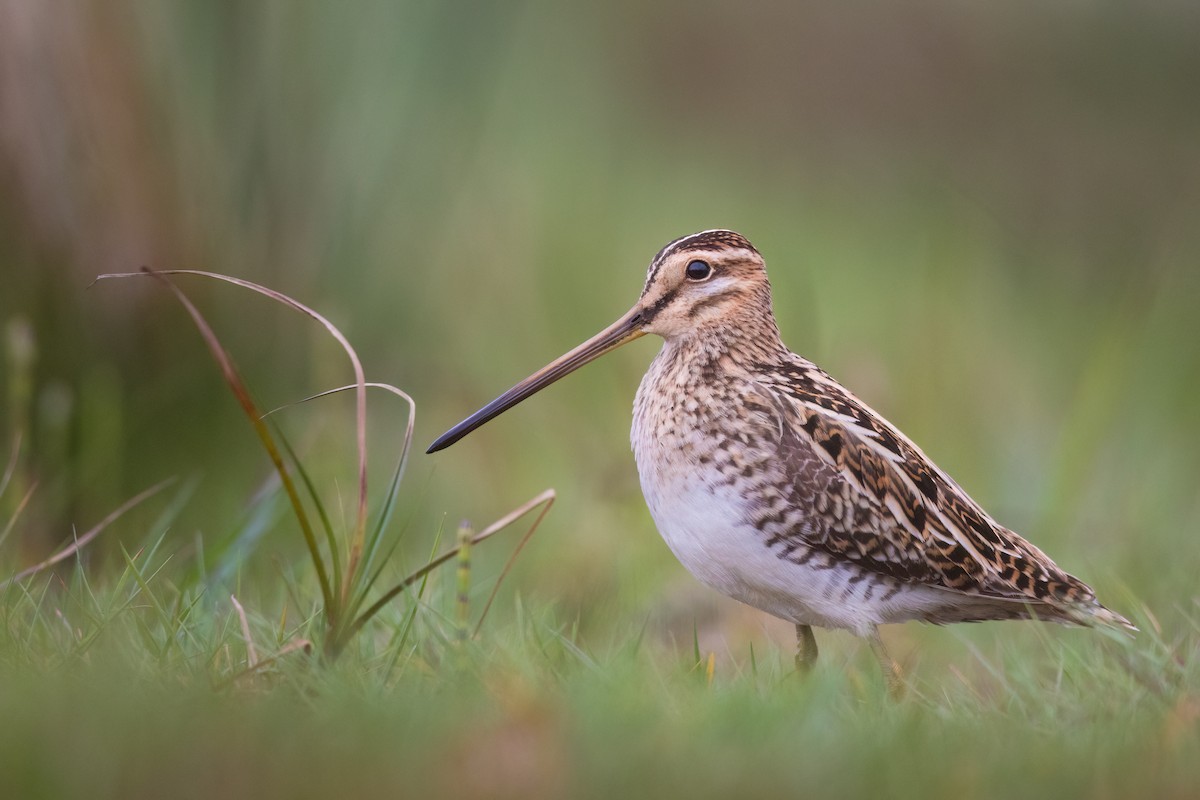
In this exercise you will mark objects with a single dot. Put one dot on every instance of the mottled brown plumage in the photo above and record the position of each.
(774, 484)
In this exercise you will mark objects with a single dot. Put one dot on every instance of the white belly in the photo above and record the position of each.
(705, 531)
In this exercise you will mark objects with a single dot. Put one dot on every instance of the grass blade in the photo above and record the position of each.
(545, 498)
(240, 391)
(357, 593)
(95, 531)
(16, 514)
(356, 544)
(11, 467)
(335, 557)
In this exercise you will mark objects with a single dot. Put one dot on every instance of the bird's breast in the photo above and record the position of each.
(701, 468)
(731, 508)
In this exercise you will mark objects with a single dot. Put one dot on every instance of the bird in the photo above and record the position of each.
(775, 485)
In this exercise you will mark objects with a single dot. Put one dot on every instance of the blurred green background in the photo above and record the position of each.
(982, 217)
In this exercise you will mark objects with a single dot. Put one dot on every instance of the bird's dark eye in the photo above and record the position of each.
(698, 270)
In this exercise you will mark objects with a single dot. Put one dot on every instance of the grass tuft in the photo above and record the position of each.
(350, 563)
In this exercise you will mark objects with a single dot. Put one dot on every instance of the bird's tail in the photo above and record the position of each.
(1095, 615)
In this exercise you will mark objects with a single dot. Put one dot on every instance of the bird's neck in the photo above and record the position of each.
(749, 338)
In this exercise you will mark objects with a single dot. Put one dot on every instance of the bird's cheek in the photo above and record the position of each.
(665, 324)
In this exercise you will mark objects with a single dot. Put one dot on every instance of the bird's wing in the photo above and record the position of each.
(895, 512)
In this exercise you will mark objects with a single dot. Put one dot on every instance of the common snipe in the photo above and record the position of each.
(774, 484)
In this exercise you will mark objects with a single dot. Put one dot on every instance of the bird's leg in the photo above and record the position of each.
(891, 670)
(806, 649)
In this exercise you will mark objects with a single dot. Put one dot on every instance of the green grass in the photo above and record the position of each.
(126, 684)
(980, 217)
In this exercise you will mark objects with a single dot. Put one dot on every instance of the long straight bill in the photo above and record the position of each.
(626, 329)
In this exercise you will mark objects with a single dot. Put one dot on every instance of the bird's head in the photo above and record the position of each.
(712, 277)
(709, 279)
